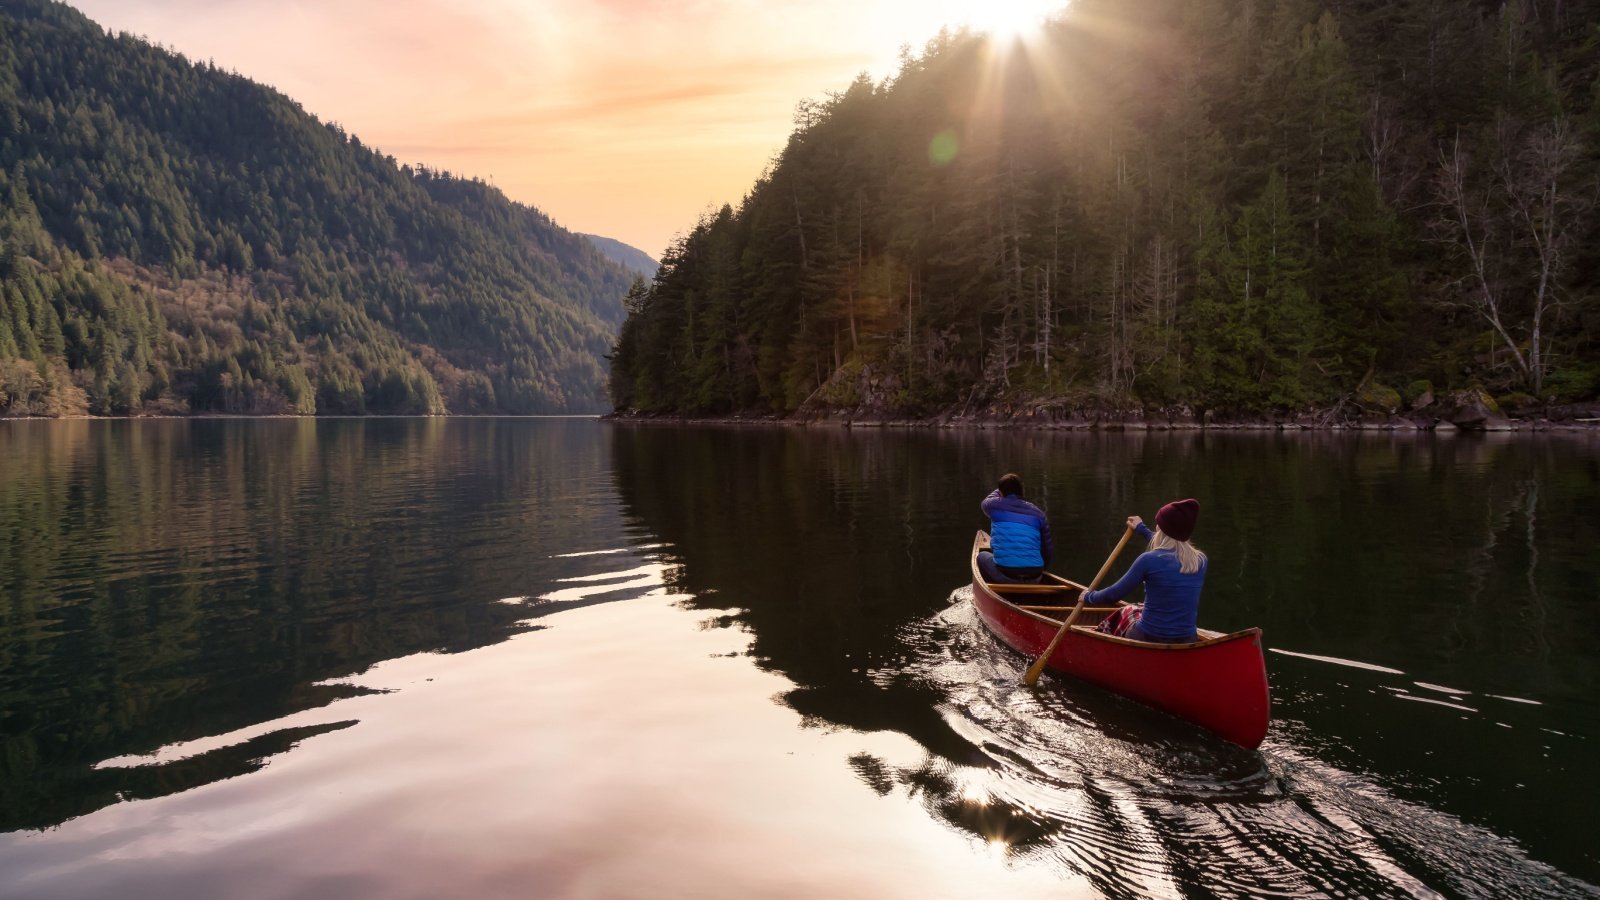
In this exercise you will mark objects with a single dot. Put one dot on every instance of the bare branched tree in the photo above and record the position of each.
(1513, 220)
(1536, 173)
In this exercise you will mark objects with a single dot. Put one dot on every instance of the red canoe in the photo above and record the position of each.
(1218, 682)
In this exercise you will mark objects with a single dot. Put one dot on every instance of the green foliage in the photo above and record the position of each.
(1378, 398)
(1417, 390)
(1516, 401)
(1573, 383)
(1253, 324)
(1217, 203)
(174, 237)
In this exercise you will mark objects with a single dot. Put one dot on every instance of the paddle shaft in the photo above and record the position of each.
(1037, 669)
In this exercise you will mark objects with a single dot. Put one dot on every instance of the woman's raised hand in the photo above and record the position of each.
(1135, 521)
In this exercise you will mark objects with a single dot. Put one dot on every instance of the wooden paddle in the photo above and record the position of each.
(1037, 669)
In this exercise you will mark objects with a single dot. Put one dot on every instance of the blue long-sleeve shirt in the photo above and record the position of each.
(1019, 532)
(1171, 598)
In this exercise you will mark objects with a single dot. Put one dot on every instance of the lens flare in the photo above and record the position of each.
(1008, 20)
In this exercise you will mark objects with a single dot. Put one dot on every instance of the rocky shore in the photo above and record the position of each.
(1468, 411)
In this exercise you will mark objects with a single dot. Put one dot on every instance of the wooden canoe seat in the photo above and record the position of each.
(1031, 588)
(1087, 610)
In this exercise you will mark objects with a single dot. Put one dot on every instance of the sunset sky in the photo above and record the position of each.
(626, 118)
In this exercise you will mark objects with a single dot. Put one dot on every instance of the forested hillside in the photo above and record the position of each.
(177, 238)
(1226, 206)
(626, 255)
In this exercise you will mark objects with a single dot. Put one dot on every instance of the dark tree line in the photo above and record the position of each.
(1232, 205)
(176, 237)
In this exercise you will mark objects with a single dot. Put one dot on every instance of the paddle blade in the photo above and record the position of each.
(1034, 671)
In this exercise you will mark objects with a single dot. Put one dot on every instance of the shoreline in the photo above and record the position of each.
(976, 422)
(292, 417)
(1108, 424)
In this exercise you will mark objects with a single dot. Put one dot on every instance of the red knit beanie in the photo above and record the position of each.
(1176, 519)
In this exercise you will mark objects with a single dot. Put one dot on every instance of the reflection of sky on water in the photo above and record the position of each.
(627, 752)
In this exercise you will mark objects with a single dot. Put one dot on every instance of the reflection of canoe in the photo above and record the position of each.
(1218, 682)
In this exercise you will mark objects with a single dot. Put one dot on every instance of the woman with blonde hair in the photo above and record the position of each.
(1172, 572)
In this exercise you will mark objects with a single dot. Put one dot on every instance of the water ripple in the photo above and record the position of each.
(1144, 805)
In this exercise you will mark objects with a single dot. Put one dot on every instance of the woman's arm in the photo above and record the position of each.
(1124, 586)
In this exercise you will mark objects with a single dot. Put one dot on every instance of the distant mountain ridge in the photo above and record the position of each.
(177, 238)
(626, 255)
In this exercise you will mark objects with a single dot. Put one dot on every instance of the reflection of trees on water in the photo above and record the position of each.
(1523, 592)
(933, 782)
(824, 542)
(1535, 597)
(167, 580)
(1350, 543)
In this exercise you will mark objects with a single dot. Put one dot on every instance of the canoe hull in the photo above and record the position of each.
(1219, 683)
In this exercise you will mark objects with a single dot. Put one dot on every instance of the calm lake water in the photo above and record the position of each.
(567, 658)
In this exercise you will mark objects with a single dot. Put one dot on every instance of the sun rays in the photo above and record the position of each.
(1009, 21)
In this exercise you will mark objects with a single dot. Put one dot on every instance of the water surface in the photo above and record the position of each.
(273, 658)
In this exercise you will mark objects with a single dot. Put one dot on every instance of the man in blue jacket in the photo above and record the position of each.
(1019, 535)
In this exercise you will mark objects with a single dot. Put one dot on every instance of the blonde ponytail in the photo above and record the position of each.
(1189, 556)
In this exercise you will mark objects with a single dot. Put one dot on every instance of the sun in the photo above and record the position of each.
(1008, 23)
(1010, 19)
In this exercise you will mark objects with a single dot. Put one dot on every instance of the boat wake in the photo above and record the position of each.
(1143, 804)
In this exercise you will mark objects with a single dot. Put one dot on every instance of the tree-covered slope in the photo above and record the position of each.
(179, 238)
(626, 255)
(1233, 205)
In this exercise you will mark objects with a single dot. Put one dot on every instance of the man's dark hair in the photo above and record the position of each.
(1011, 485)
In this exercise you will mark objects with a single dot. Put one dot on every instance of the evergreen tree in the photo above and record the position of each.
(176, 238)
(1226, 204)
